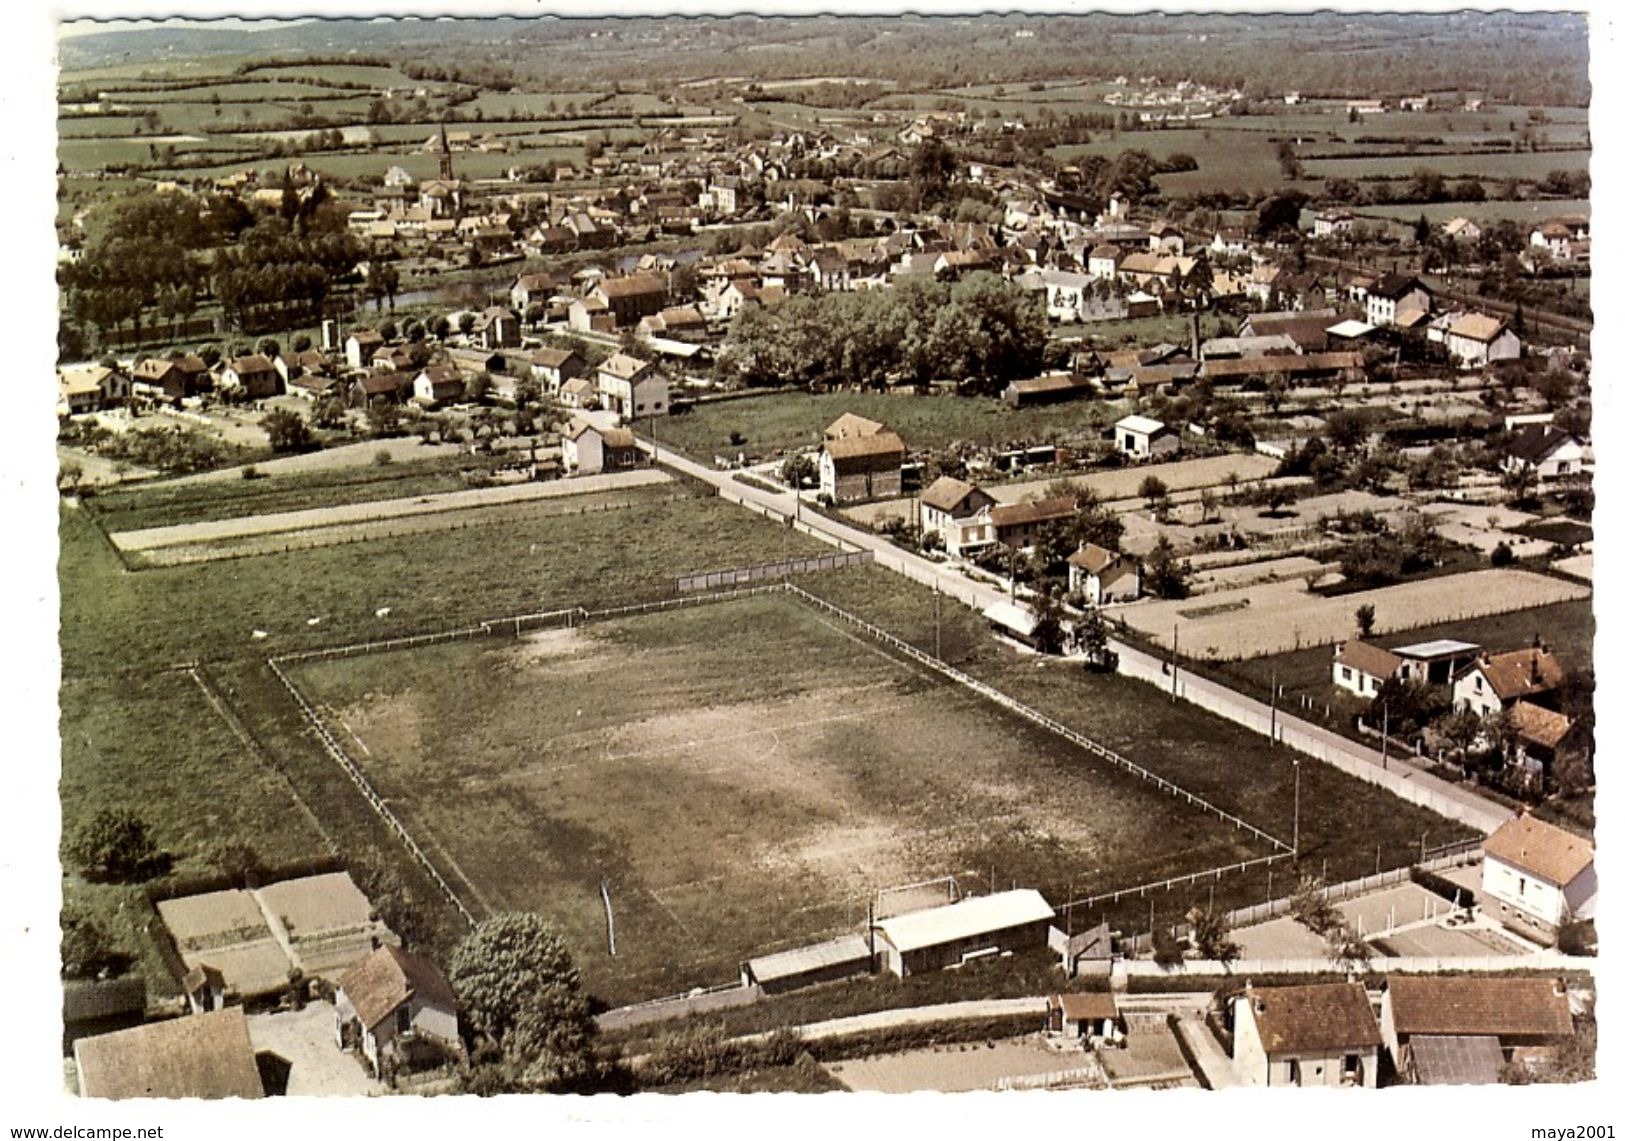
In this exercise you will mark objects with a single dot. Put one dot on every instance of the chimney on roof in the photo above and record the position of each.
(1559, 987)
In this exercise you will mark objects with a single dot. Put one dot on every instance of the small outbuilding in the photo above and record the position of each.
(1089, 1015)
(844, 957)
(1141, 437)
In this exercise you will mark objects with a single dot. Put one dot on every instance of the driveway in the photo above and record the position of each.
(305, 1038)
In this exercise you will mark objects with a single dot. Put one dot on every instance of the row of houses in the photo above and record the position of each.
(1433, 1030)
(1522, 685)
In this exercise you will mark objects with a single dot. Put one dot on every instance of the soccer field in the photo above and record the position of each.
(740, 776)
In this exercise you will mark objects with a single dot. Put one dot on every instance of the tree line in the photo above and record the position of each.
(981, 330)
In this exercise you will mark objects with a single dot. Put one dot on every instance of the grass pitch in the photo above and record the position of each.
(743, 775)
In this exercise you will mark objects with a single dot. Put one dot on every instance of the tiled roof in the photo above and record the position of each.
(1542, 849)
(1538, 726)
(883, 443)
(947, 493)
(389, 977)
(1034, 511)
(1531, 1007)
(1314, 1018)
(199, 1055)
(1520, 673)
(1367, 658)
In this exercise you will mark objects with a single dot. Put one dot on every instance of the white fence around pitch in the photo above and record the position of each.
(1448, 856)
(359, 779)
(1033, 715)
(1140, 890)
(766, 572)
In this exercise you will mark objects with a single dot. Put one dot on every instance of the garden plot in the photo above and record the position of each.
(227, 930)
(1485, 527)
(1274, 618)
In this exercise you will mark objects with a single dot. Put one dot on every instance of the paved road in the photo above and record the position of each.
(917, 1016)
(1398, 776)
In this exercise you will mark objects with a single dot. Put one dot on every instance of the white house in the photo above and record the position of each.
(438, 384)
(1462, 229)
(1396, 299)
(1361, 667)
(959, 513)
(1536, 875)
(1102, 576)
(1331, 222)
(1546, 450)
(360, 346)
(391, 1001)
(90, 388)
(1476, 339)
(1496, 681)
(1322, 1034)
(1143, 438)
(1103, 261)
(588, 449)
(633, 388)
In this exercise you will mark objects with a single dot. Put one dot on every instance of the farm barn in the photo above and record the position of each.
(956, 933)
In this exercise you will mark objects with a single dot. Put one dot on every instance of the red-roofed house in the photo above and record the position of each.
(1492, 683)
(1536, 875)
(390, 1002)
(1322, 1034)
(1361, 667)
(1103, 576)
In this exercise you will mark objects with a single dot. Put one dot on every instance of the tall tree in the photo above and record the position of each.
(522, 992)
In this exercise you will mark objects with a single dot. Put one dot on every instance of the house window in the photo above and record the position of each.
(1347, 673)
(1351, 1068)
(1294, 1073)
(1522, 883)
(403, 1019)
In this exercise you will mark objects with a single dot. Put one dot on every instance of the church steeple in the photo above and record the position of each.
(445, 156)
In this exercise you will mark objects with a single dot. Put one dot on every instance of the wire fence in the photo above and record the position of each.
(1190, 878)
(704, 580)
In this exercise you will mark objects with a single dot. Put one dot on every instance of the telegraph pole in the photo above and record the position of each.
(1385, 737)
(1297, 785)
(1273, 689)
(1173, 678)
(936, 601)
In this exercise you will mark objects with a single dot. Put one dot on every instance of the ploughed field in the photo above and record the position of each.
(740, 776)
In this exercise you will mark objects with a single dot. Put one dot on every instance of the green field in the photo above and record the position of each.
(1568, 627)
(1344, 819)
(1485, 166)
(744, 775)
(1530, 212)
(785, 421)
